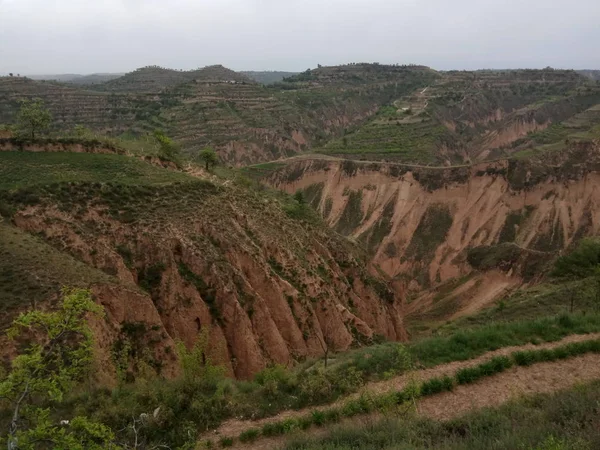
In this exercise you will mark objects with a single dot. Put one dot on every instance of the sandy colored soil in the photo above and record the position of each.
(543, 377)
(539, 378)
(492, 391)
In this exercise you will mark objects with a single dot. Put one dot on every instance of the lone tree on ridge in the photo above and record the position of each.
(209, 156)
(33, 118)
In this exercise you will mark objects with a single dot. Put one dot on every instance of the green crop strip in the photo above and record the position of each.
(367, 404)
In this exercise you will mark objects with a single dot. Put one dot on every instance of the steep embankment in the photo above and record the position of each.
(172, 257)
(427, 225)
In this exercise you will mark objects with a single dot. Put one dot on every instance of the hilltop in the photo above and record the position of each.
(268, 76)
(73, 78)
(155, 79)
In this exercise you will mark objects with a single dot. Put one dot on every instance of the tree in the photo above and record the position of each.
(10, 74)
(209, 156)
(57, 354)
(33, 118)
(168, 150)
(299, 197)
(325, 341)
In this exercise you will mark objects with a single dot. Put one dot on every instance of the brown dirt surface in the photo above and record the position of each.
(234, 427)
(539, 378)
(491, 391)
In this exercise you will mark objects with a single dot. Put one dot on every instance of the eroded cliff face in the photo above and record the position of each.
(201, 258)
(424, 225)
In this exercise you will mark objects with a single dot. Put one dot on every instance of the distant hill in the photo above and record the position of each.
(404, 113)
(593, 74)
(156, 79)
(268, 76)
(74, 78)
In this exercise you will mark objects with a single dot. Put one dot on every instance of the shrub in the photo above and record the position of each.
(272, 429)
(332, 415)
(524, 358)
(580, 263)
(226, 442)
(316, 386)
(305, 422)
(273, 380)
(318, 417)
(436, 385)
(468, 375)
(249, 435)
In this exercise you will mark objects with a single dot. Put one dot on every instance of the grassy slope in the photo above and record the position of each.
(550, 298)
(21, 169)
(31, 271)
(561, 421)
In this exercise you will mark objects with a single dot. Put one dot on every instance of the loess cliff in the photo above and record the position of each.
(173, 257)
(428, 226)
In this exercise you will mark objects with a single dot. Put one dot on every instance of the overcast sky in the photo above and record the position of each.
(85, 36)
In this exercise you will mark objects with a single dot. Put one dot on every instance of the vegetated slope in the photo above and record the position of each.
(535, 421)
(432, 404)
(171, 256)
(71, 106)
(593, 74)
(250, 123)
(246, 122)
(268, 76)
(93, 78)
(427, 225)
(156, 79)
(468, 116)
(364, 111)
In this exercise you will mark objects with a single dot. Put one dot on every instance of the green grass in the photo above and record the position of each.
(370, 403)
(31, 271)
(26, 169)
(208, 403)
(468, 343)
(546, 299)
(414, 142)
(566, 420)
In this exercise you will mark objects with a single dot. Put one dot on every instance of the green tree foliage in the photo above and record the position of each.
(196, 364)
(583, 262)
(299, 197)
(209, 157)
(33, 118)
(57, 352)
(168, 150)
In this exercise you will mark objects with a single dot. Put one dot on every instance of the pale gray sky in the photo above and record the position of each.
(85, 36)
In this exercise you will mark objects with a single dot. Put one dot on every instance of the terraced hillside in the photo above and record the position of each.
(178, 256)
(156, 79)
(71, 106)
(468, 116)
(410, 114)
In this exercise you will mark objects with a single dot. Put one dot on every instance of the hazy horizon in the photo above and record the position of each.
(116, 36)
